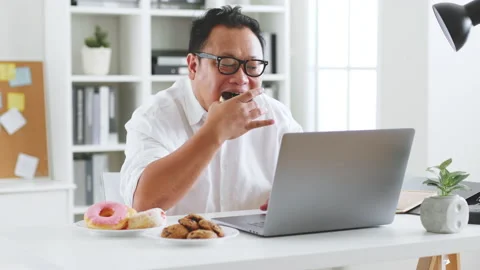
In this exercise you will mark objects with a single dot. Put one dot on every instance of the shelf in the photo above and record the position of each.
(172, 78)
(199, 12)
(35, 185)
(166, 78)
(263, 9)
(98, 148)
(79, 210)
(105, 79)
(104, 10)
(177, 12)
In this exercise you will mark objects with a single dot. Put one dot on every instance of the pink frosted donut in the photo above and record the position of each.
(107, 216)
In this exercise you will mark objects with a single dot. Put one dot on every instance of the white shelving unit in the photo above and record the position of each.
(133, 33)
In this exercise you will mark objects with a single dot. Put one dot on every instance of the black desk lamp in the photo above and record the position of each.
(456, 21)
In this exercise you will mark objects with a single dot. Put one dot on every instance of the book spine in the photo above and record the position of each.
(104, 114)
(113, 125)
(89, 114)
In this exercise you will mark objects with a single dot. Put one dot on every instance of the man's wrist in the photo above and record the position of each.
(211, 136)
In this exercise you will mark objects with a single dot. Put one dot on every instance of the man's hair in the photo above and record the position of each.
(227, 16)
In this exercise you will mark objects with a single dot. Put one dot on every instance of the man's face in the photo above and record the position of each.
(208, 83)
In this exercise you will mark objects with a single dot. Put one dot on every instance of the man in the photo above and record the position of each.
(188, 152)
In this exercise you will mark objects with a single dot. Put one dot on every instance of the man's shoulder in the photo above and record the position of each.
(160, 108)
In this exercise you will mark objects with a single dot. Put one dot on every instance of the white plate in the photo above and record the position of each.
(113, 233)
(229, 233)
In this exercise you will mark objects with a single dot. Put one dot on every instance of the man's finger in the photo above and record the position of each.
(250, 105)
(257, 112)
(249, 95)
(259, 123)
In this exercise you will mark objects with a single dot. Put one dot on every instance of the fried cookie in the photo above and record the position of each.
(188, 223)
(211, 226)
(195, 217)
(176, 231)
(201, 234)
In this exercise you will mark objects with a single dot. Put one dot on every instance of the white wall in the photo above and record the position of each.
(303, 70)
(403, 81)
(454, 99)
(21, 29)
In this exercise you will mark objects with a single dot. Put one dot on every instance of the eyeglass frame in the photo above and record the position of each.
(242, 63)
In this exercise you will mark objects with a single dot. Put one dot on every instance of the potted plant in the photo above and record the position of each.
(446, 212)
(96, 53)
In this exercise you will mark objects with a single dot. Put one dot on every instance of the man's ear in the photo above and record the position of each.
(192, 62)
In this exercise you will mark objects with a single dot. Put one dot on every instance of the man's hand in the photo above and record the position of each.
(236, 116)
(264, 206)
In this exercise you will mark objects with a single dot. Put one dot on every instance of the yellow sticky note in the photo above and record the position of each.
(16, 100)
(7, 71)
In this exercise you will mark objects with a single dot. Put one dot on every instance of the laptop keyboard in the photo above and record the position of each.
(257, 224)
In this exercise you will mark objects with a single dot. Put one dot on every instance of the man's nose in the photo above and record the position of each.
(239, 77)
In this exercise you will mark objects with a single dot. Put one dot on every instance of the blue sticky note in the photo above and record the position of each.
(23, 77)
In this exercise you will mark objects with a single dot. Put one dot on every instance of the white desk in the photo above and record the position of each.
(68, 248)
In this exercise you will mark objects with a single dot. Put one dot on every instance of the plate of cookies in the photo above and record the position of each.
(193, 229)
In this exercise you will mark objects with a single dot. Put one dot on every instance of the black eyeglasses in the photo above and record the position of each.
(229, 65)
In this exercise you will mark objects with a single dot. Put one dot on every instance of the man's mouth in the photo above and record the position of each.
(228, 95)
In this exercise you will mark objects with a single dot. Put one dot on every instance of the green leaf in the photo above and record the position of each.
(445, 164)
(459, 178)
(432, 171)
(91, 42)
(444, 173)
(431, 182)
(459, 186)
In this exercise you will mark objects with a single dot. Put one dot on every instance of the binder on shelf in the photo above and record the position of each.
(95, 115)
(88, 171)
(270, 52)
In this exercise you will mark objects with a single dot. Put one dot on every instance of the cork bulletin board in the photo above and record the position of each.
(23, 135)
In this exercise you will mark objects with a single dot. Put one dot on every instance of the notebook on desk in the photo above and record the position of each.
(410, 199)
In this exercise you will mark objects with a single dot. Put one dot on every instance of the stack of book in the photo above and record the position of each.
(169, 62)
(95, 114)
(178, 4)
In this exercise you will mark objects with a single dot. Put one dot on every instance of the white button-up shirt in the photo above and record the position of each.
(240, 175)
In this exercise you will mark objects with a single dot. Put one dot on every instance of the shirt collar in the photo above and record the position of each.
(194, 111)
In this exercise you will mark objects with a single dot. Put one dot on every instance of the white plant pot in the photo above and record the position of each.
(444, 214)
(96, 61)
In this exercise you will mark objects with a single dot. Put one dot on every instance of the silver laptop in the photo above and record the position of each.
(328, 181)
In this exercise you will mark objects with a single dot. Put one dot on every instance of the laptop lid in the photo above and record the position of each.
(337, 180)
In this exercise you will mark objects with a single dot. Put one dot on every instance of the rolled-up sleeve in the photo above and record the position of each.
(141, 149)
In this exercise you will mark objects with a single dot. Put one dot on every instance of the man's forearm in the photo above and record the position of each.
(165, 181)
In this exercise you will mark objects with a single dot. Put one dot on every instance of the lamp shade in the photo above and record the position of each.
(457, 20)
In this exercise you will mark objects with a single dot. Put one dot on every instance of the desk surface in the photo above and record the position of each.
(69, 248)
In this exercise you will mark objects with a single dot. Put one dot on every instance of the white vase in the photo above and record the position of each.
(96, 61)
(444, 214)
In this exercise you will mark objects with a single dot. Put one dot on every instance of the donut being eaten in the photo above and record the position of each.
(227, 95)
